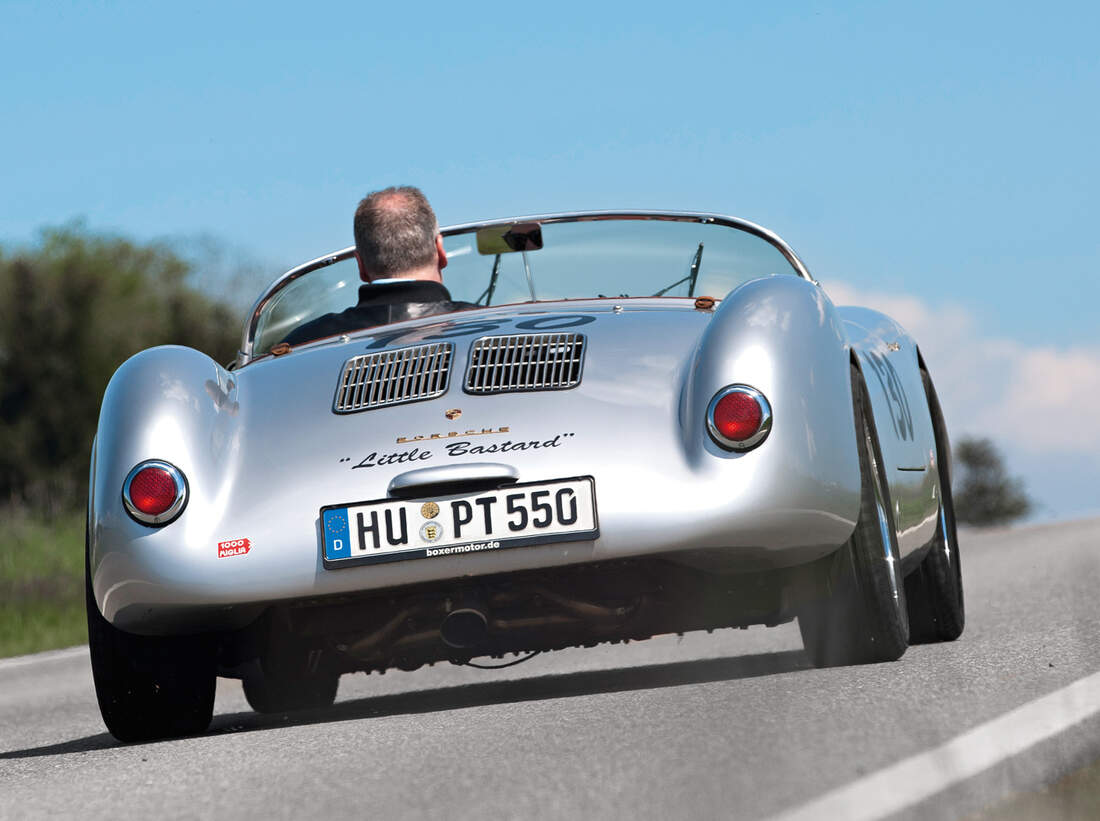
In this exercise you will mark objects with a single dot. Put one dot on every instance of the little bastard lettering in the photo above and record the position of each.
(451, 449)
(463, 448)
(396, 458)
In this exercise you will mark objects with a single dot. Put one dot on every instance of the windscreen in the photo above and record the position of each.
(627, 257)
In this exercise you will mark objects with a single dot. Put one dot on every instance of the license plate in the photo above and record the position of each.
(390, 530)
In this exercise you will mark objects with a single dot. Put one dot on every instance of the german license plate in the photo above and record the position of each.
(390, 530)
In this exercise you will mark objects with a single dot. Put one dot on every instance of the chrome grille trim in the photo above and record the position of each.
(377, 380)
(525, 362)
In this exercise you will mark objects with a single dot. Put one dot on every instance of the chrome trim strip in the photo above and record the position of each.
(246, 354)
(491, 474)
(173, 512)
(765, 420)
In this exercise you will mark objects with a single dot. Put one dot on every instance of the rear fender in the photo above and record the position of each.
(782, 336)
(171, 403)
(890, 362)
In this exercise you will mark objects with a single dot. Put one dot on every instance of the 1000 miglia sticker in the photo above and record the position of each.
(233, 547)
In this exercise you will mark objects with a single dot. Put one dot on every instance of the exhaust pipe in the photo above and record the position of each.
(464, 628)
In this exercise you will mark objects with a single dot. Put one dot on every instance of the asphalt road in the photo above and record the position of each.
(730, 725)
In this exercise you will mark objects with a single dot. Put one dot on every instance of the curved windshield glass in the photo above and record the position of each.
(532, 261)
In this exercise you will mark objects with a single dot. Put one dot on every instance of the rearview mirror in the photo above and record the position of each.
(506, 239)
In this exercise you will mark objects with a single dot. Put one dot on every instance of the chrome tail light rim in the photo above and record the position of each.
(173, 511)
(761, 432)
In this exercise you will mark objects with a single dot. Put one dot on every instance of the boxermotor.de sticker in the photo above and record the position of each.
(236, 547)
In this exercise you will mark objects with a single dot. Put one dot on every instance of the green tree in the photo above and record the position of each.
(72, 309)
(983, 492)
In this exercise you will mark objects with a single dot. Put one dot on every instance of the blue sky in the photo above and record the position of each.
(942, 151)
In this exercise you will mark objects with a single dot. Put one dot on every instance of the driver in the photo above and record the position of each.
(401, 258)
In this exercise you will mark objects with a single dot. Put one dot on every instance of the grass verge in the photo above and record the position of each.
(1075, 798)
(41, 582)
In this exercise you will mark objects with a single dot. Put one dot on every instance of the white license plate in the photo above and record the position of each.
(390, 530)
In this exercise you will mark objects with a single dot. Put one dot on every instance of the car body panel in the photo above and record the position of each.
(889, 361)
(263, 451)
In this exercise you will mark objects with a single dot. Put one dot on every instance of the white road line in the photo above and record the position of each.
(49, 655)
(921, 776)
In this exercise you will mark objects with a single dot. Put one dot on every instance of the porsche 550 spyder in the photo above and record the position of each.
(649, 423)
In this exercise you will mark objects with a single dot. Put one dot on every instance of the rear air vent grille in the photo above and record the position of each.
(525, 362)
(393, 377)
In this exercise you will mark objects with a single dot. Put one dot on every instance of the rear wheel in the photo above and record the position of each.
(278, 686)
(149, 687)
(863, 618)
(934, 590)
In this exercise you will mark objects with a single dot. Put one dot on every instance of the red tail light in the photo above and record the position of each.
(739, 417)
(154, 492)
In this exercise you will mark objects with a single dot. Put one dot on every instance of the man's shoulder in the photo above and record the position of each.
(322, 326)
(381, 306)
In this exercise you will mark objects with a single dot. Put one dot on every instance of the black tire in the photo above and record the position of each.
(863, 617)
(149, 688)
(284, 691)
(934, 590)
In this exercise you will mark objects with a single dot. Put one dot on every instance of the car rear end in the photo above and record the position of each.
(567, 445)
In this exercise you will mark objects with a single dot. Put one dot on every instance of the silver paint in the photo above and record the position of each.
(263, 451)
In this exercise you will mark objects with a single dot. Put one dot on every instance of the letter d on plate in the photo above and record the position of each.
(337, 535)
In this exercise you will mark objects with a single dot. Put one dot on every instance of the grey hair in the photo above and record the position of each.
(395, 231)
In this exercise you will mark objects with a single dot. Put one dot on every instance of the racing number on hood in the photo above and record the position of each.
(896, 400)
(453, 330)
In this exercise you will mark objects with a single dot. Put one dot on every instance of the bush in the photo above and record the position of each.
(72, 309)
(984, 494)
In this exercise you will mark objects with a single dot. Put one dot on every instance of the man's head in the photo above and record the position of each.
(396, 235)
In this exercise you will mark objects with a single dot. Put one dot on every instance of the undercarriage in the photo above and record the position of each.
(578, 605)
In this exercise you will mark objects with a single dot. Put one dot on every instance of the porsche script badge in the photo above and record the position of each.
(451, 434)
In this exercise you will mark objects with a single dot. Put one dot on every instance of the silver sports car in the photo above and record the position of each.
(649, 423)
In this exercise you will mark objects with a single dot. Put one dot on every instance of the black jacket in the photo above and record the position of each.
(381, 305)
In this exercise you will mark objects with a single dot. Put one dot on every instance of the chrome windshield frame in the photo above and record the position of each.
(246, 354)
